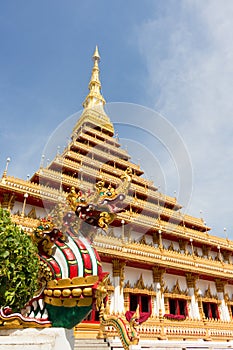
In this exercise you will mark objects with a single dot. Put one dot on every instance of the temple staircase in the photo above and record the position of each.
(91, 344)
(115, 344)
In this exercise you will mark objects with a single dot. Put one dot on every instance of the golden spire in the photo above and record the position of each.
(94, 98)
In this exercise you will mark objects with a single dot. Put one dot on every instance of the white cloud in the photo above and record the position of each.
(188, 51)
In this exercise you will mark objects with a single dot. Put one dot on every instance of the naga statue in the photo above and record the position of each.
(70, 272)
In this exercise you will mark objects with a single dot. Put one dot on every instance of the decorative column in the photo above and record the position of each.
(158, 273)
(191, 284)
(126, 302)
(8, 201)
(117, 305)
(224, 312)
(24, 204)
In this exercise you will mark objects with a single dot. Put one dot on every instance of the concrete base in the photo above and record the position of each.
(36, 339)
(135, 347)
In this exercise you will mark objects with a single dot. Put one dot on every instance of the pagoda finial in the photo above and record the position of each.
(94, 98)
(96, 54)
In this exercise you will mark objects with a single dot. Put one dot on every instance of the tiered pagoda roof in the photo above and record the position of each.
(94, 153)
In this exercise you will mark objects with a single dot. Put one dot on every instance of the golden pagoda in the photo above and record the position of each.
(165, 261)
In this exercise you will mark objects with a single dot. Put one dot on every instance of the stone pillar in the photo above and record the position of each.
(191, 283)
(117, 305)
(224, 311)
(159, 284)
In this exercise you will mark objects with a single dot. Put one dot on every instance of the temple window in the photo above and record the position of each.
(210, 310)
(144, 302)
(178, 307)
(231, 310)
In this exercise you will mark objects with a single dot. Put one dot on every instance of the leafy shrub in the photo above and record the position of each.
(18, 264)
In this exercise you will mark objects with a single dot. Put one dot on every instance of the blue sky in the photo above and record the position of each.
(173, 56)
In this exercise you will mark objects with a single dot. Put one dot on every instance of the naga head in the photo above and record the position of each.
(70, 274)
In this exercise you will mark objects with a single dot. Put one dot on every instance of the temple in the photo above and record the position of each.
(157, 257)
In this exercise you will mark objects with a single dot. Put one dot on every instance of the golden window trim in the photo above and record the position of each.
(210, 300)
(176, 290)
(177, 296)
(228, 300)
(139, 291)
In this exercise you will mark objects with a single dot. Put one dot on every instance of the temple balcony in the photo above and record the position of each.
(114, 247)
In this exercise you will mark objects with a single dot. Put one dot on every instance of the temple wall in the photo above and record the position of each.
(229, 290)
(170, 281)
(107, 267)
(203, 286)
(18, 206)
(117, 231)
(133, 274)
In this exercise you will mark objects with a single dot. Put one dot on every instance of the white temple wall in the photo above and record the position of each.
(199, 251)
(170, 281)
(117, 299)
(223, 309)
(176, 245)
(166, 243)
(117, 232)
(203, 286)
(189, 249)
(149, 239)
(229, 290)
(135, 236)
(132, 274)
(213, 255)
(107, 267)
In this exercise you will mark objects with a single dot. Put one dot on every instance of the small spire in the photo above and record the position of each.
(94, 98)
(96, 54)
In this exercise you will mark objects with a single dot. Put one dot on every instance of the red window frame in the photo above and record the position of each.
(144, 302)
(178, 307)
(210, 310)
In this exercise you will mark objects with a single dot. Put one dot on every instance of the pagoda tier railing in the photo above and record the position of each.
(31, 188)
(110, 139)
(109, 168)
(146, 204)
(154, 256)
(106, 156)
(142, 189)
(173, 229)
(117, 151)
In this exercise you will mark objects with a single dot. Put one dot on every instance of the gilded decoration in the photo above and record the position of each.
(8, 201)
(71, 292)
(183, 245)
(207, 266)
(191, 280)
(128, 335)
(207, 296)
(220, 285)
(158, 276)
(176, 292)
(171, 247)
(139, 287)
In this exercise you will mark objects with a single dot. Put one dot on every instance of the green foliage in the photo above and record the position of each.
(18, 264)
